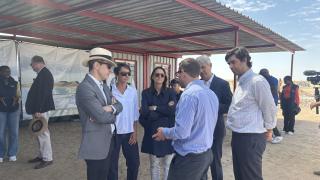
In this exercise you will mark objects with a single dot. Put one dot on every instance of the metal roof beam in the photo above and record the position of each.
(215, 15)
(214, 49)
(82, 31)
(177, 36)
(118, 21)
(66, 10)
(69, 41)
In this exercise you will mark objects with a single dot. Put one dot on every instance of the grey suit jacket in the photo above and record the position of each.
(96, 135)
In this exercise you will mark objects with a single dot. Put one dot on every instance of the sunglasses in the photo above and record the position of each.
(159, 75)
(125, 73)
(108, 65)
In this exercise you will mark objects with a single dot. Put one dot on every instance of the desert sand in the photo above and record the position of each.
(294, 159)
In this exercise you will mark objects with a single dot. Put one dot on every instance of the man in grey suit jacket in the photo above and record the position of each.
(97, 110)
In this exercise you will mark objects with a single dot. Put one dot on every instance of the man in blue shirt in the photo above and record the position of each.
(196, 118)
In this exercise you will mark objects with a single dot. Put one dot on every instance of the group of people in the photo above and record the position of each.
(39, 102)
(183, 130)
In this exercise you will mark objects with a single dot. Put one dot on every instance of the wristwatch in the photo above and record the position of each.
(154, 108)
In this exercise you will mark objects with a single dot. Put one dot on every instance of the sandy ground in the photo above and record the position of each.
(294, 159)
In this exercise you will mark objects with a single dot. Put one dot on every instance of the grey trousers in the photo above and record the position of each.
(247, 151)
(191, 166)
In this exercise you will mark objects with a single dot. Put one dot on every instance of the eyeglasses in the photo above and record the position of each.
(159, 75)
(108, 65)
(125, 73)
(179, 72)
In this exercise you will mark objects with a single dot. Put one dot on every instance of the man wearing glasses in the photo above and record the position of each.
(192, 134)
(39, 102)
(97, 110)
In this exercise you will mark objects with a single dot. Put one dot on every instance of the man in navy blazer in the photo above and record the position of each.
(39, 102)
(222, 89)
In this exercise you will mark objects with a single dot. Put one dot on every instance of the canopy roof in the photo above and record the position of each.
(174, 27)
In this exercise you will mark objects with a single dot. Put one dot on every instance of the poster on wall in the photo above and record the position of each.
(66, 68)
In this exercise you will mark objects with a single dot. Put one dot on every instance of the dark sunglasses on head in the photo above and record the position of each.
(159, 75)
(125, 73)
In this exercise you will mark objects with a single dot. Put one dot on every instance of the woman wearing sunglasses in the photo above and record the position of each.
(157, 110)
(126, 124)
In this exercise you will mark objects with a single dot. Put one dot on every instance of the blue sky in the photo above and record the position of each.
(296, 20)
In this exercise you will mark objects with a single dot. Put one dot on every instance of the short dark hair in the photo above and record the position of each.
(117, 69)
(174, 81)
(287, 78)
(191, 67)
(264, 72)
(164, 84)
(2, 68)
(241, 53)
(91, 63)
(37, 59)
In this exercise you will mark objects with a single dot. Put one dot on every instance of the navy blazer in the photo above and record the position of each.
(40, 97)
(222, 89)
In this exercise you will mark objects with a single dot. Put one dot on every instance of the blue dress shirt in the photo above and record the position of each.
(196, 118)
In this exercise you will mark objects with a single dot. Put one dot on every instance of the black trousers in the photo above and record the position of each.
(130, 152)
(289, 121)
(190, 167)
(98, 169)
(247, 151)
(216, 166)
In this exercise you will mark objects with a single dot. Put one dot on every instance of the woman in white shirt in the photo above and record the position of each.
(126, 124)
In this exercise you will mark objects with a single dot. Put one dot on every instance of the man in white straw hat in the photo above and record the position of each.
(97, 110)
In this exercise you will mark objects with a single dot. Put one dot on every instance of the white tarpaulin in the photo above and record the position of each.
(65, 66)
(8, 56)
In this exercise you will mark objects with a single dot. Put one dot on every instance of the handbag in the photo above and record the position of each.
(296, 109)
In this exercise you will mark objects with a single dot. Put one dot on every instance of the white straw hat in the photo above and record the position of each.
(99, 54)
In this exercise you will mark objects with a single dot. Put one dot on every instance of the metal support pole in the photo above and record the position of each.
(291, 71)
(236, 42)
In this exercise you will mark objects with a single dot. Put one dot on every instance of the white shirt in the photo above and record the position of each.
(208, 83)
(130, 111)
(252, 109)
(100, 85)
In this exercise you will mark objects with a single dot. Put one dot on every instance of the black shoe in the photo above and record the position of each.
(37, 159)
(43, 164)
(316, 173)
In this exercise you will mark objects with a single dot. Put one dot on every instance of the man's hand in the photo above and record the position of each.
(152, 108)
(108, 108)
(268, 135)
(15, 100)
(37, 114)
(159, 136)
(2, 101)
(91, 119)
(113, 100)
(133, 138)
